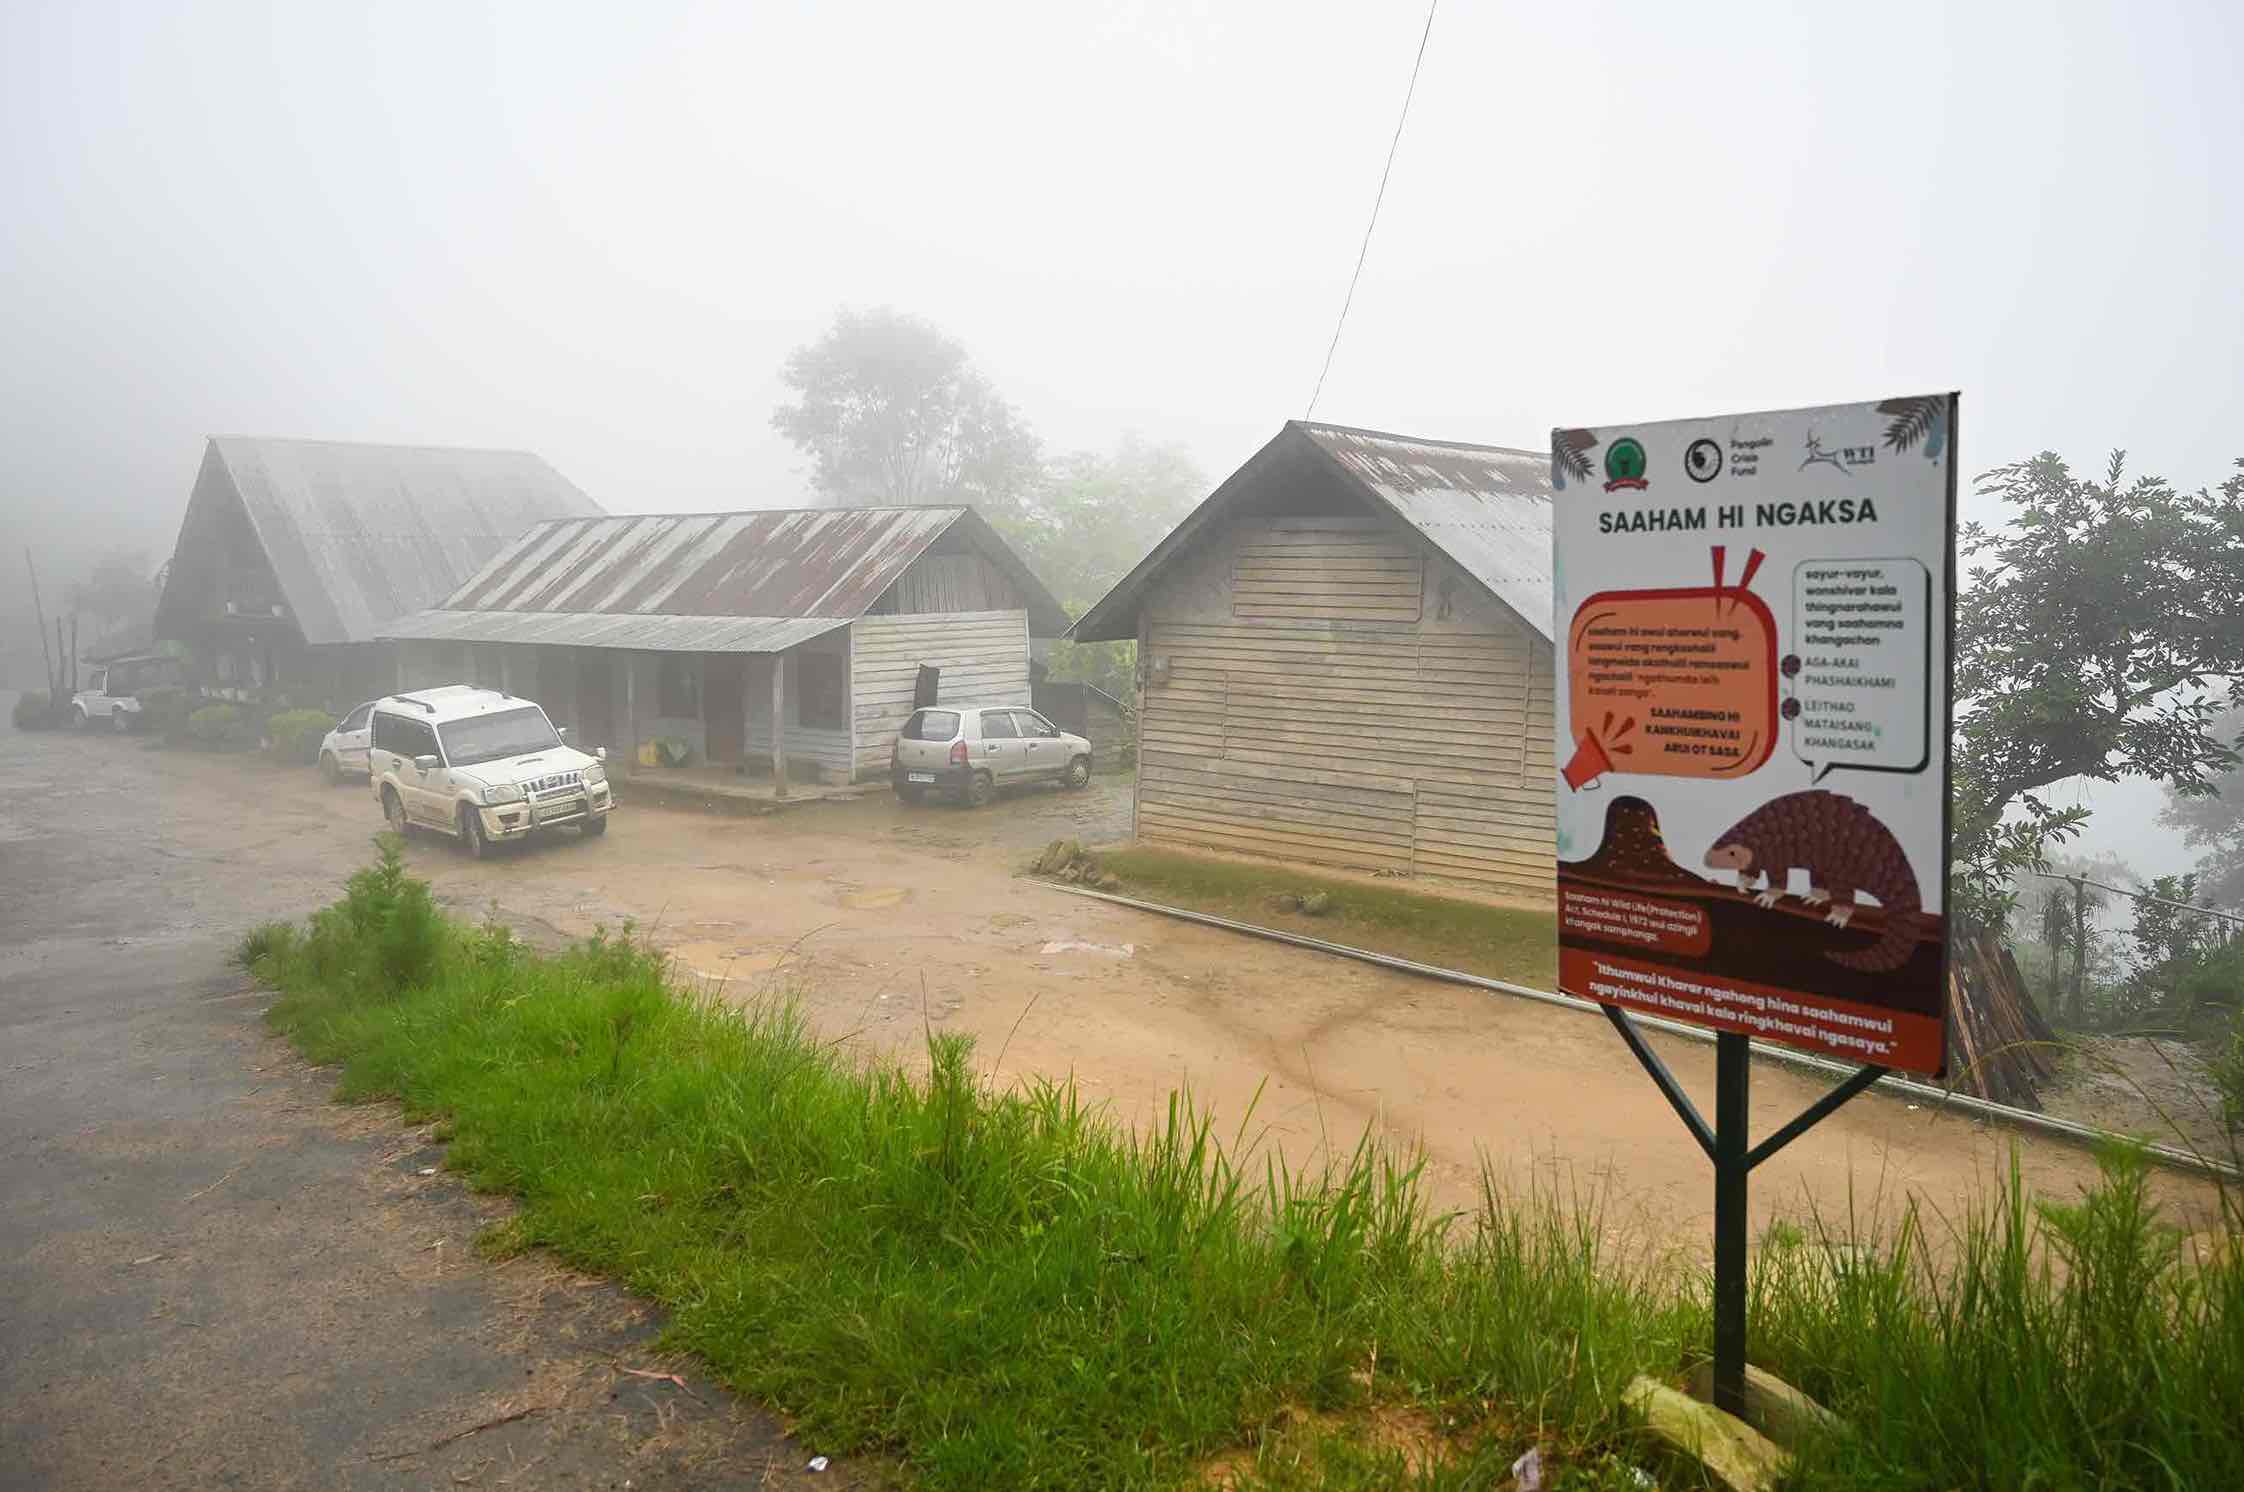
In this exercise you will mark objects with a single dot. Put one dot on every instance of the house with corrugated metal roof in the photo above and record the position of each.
(1344, 658)
(293, 554)
(798, 638)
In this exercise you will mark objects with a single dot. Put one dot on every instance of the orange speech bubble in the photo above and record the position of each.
(1675, 683)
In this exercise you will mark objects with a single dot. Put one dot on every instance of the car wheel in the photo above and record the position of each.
(981, 790)
(330, 770)
(393, 809)
(1078, 773)
(910, 797)
(596, 826)
(471, 834)
(78, 719)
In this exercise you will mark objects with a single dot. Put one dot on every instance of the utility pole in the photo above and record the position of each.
(40, 613)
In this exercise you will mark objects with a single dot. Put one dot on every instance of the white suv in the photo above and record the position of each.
(481, 766)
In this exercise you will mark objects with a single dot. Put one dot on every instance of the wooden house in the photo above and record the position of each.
(796, 638)
(1344, 658)
(293, 554)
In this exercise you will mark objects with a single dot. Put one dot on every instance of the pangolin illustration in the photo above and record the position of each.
(1844, 850)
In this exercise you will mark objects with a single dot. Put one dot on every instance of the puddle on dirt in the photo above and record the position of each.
(726, 962)
(1104, 950)
(873, 898)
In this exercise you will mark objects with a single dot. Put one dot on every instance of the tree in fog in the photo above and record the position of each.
(890, 411)
(117, 595)
(2213, 823)
(2091, 640)
(1096, 515)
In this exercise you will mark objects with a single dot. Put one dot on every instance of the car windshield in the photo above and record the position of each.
(488, 738)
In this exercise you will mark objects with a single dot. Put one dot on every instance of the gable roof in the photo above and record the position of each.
(1488, 508)
(727, 582)
(360, 534)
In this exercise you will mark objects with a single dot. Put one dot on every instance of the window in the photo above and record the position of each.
(494, 737)
(356, 719)
(405, 736)
(821, 679)
(1035, 726)
(997, 725)
(932, 725)
(678, 686)
(98, 681)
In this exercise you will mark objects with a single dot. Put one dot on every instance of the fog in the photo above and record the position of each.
(596, 234)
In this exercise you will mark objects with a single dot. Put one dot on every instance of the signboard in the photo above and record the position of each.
(1752, 713)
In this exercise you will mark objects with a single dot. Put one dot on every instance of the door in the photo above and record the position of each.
(724, 703)
(999, 751)
(353, 738)
(428, 790)
(595, 699)
(94, 698)
(1043, 753)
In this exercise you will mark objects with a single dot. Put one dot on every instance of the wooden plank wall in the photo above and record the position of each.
(1313, 710)
(984, 656)
(950, 584)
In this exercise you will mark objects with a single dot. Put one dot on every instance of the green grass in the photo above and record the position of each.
(1008, 1290)
(1512, 943)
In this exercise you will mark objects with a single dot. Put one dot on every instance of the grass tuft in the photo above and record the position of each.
(1006, 1289)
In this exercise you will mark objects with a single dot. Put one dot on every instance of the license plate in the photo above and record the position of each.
(919, 776)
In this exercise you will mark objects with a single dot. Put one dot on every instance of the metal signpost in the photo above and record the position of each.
(1751, 604)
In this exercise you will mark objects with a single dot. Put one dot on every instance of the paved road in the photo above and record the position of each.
(210, 1275)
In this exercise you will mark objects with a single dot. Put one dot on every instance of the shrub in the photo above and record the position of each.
(164, 708)
(295, 735)
(216, 727)
(37, 712)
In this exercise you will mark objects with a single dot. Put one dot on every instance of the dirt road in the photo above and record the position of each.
(212, 1276)
(880, 918)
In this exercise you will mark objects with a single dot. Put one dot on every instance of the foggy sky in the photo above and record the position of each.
(595, 232)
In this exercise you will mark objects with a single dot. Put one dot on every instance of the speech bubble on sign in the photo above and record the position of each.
(1673, 683)
(1861, 689)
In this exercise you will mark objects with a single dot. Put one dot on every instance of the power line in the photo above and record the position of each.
(1379, 197)
(2164, 901)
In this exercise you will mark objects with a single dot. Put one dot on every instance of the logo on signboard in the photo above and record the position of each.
(1703, 461)
(1846, 458)
(1624, 464)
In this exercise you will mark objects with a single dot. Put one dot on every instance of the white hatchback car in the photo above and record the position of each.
(971, 751)
(342, 751)
(482, 766)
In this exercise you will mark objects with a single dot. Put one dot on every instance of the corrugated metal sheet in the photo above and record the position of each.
(805, 562)
(1486, 507)
(681, 634)
(361, 534)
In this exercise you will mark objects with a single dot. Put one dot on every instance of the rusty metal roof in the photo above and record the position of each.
(755, 567)
(1486, 507)
(360, 534)
(662, 634)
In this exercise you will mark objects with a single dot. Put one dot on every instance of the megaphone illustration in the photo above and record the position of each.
(1588, 763)
(1591, 760)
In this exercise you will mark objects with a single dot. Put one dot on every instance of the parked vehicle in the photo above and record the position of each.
(111, 695)
(970, 752)
(481, 766)
(343, 749)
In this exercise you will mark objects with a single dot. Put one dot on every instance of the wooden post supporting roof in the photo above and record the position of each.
(779, 725)
(630, 713)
